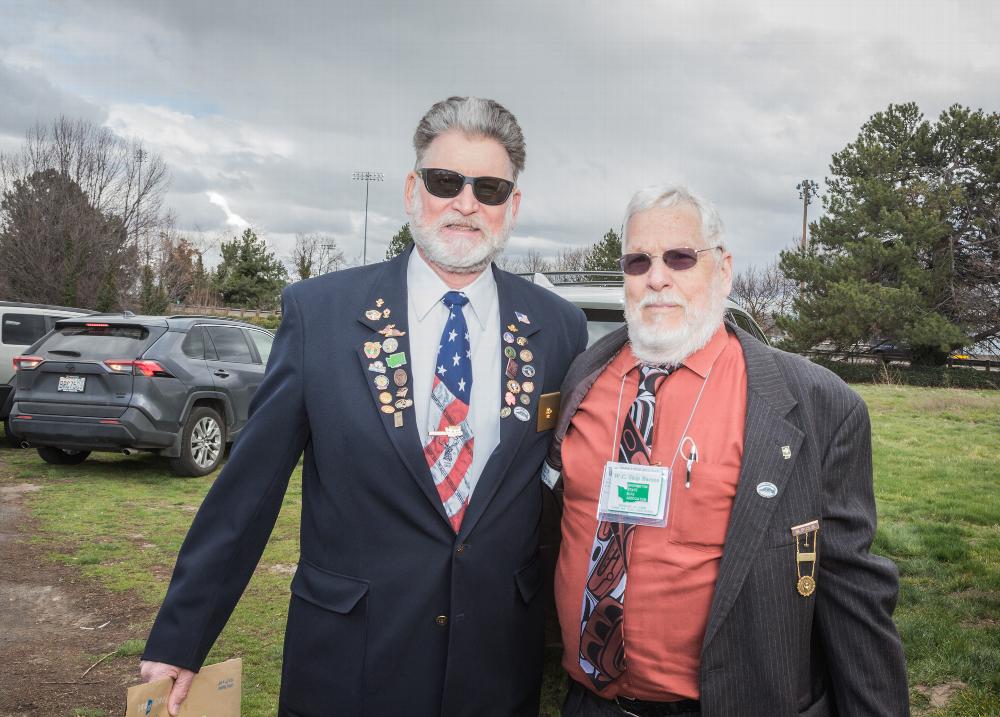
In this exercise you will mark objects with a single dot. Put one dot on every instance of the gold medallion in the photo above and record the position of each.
(806, 585)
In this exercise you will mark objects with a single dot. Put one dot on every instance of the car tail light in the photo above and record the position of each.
(27, 363)
(137, 368)
(101, 326)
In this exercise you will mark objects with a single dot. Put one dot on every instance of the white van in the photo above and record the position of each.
(21, 325)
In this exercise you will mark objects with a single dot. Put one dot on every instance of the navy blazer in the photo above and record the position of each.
(391, 612)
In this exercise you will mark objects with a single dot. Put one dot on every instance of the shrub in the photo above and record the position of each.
(926, 376)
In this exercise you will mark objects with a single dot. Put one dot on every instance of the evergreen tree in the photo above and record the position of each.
(909, 248)
(604, 255)
(152, 298)
(400, 242)
(250, 275)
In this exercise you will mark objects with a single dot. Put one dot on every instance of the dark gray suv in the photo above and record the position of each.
(179, 386)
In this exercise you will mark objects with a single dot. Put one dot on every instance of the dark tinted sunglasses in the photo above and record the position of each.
(639, 263)
(447, 184)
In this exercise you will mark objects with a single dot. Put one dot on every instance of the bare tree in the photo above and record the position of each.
(765, 294)
(120, 177)
(314, 255)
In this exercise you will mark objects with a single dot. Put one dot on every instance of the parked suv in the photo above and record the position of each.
(600, 296)
(20, 326)
(179, 386)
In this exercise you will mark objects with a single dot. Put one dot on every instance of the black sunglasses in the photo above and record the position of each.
(639, 263)
(447, 184)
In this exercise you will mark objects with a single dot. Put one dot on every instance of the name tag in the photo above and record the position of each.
(634, 494)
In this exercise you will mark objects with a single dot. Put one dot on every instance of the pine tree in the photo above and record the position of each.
(400, 242)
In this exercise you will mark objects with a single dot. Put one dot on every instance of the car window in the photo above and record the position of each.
(262, 341)
(194, 343)
(97, 340)
(230, 344)
(746, 323)
(23, 329)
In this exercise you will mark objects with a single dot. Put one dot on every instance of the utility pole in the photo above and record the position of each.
(367, 177)
(807, 190)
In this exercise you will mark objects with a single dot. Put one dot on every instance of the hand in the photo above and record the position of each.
(182, 681)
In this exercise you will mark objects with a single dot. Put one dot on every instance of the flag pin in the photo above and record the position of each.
(786, 452)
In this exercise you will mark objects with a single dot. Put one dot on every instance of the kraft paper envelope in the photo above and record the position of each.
(215, 692)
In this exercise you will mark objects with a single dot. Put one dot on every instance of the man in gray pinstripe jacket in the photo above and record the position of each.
(718, 507)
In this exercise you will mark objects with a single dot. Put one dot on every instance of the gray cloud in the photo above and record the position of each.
(273, 106)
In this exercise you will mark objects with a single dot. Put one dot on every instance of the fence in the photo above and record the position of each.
(223, 311)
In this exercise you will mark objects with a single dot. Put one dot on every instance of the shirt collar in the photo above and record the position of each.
(426, 289)
(700, 361)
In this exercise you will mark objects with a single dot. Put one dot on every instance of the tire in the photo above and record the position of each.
(62, 456)
(9, 439)
(203, 443)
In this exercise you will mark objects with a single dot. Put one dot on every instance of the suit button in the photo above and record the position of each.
(460, 549)
(441, 620)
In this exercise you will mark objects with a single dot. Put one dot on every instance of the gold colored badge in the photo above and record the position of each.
(806, 586)
(806, 551)
(548, 410)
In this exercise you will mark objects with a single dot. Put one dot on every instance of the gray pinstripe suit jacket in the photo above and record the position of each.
(768, 651)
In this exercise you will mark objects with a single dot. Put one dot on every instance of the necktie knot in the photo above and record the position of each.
(455, 298)
(650, 377)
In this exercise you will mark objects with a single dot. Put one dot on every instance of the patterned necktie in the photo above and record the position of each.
(449, 454)
(602, 638)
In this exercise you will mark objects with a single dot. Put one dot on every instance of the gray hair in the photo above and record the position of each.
(475, 117)
(665, 196)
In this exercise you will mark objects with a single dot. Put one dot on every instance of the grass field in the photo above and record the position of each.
(936, 478)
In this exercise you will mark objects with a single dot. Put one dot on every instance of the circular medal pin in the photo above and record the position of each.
(522, 341)
(381, 382)
(385, 397)
(509, 351)
(399, 377)
(806, 586)
(526, 356)
(388, 409)
(390, 345)
(505, 412)
(508, 337)
(528, 386)
(514, 387)
(528, 371)
(521, 413)
(525, 399)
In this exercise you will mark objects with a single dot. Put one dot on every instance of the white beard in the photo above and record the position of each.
(669, 347)
(455, 254)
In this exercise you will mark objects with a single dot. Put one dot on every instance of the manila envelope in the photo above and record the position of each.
(215, 692)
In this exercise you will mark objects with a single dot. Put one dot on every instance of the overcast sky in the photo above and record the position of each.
(264, 109)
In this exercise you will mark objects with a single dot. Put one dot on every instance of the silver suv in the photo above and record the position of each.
(20, 326)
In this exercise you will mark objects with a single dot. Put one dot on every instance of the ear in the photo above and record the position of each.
(726, 269)
(408, 188)
(515, 204)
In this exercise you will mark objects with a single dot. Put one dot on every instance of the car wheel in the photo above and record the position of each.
(9, 438)
(203, 443)
(62, 456)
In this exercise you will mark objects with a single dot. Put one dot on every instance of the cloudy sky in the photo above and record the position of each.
(264, 109)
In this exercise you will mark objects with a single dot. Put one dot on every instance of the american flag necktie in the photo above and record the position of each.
(602, 637)
(449, 454)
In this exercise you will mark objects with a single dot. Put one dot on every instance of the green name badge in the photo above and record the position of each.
(633, 492)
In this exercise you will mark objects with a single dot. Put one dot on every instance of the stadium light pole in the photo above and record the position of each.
(367, 177)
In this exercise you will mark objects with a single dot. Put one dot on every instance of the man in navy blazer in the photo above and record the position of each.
(418, 389)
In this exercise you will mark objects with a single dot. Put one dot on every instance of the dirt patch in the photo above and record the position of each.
(940, 695)
(56, 624)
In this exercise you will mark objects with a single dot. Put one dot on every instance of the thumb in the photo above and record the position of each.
(179, 691)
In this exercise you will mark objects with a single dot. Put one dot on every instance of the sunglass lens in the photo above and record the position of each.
(492, 190)
(680, 259)
(635, 264)
(443, 182)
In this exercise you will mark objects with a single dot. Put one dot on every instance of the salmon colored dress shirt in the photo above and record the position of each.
(671, 570)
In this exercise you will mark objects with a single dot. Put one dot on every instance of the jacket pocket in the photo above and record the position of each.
(699, 515)
(330, 591)
(529, 579)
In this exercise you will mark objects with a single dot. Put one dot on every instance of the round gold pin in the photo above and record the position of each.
(504, 412)
(806, 586)
(522, 341)
(385, 397)
(388, 409)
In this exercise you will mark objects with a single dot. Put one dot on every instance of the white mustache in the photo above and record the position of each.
(457, 220)
(661, 297)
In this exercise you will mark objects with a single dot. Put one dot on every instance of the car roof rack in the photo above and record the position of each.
(576, 278)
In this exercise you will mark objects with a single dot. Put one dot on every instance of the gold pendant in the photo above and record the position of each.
(806, 586)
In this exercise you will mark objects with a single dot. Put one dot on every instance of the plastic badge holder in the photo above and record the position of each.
(637, 495)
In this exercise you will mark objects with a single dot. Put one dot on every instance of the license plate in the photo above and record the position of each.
(74, 384)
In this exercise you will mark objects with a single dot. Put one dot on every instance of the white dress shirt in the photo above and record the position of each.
(426, 318)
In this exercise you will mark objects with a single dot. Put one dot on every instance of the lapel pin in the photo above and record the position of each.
(521, 413)
(397, 419)
(396, 360)
(379, 302)
(373, 315)
(391, 330)
(786, 452)
(512, 328)
(381, 382)
(372, 349)
(521, 317)
(376, 367)
(767, 489)
(522, 341)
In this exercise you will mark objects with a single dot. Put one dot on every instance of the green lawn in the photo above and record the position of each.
(936, 477)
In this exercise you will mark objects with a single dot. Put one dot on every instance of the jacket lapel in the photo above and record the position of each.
(390, 288)
(512, 428)
(766, 432)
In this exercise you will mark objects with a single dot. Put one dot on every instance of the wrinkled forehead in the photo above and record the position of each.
(659, 229)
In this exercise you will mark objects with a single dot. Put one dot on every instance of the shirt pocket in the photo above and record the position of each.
(699, 515)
